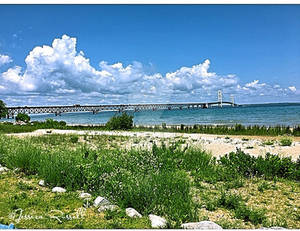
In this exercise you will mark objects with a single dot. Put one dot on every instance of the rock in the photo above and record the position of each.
(85, 195)
(3, 169)
(99, 201)
(103, 208)
(201, 225)
(131, 212)
(59, 190)
(157, 222)
(42, 183)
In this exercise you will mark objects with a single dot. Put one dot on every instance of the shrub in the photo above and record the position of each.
(271, 166)
(23, 117)
(3, 109)
(123, 122)
(74, 139)
(286, 141)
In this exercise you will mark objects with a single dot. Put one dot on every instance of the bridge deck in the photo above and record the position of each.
(105, 107)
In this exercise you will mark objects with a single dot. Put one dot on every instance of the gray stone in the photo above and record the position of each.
(99, 201)
(131, 212)
(103, 208)
(201, 225)
(41, 183)
(157, 221)
(59, 190)
(85, 195)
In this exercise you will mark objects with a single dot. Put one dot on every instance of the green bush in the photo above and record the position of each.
(74, 139)
(271, 166)
(286, 141)
(120, 122)
(23, 117)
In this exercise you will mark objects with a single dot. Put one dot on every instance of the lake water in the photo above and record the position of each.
(264, 114)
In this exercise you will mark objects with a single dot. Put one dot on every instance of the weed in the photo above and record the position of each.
(229, 201)
(263, 186)
(255, 216)
(74, 139)
(268, 142)
(285, 141)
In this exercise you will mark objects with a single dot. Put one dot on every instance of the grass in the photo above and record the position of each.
(238, 129)
(182, 184)
(46, 210)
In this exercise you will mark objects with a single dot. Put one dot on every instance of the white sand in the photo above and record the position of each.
(216, 144)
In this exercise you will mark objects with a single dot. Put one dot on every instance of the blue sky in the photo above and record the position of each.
(66, 54)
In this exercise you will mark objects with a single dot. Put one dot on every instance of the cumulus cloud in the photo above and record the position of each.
(5, 59)
(58, 72)
(293, 88)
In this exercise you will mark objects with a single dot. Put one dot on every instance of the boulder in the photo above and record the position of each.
(41, 183)
(99, 201)
(59, 190)
(85, 195)
(201, 225)
(131, 212)
(157, 221)
(103, 208)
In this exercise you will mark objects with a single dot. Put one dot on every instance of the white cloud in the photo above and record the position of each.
(255, 84)
(5, 59)
(60, 73)
(293, 88)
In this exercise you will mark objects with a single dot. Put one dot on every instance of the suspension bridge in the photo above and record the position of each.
(58, 110)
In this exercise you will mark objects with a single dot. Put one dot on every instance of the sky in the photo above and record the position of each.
(102, 54)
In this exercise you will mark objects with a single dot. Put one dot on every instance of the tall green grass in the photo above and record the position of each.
(237, 129)
(157, 181)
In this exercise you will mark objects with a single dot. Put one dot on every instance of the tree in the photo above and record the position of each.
(23, 117)
(122, 122)
(3, 109)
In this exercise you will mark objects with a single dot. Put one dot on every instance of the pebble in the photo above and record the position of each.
(131, 212)
(201, 225)
(42, 183)
(3, 169)
(99, 201)
(103, 208)
(157, 221)
(85, 195)
(59, 190)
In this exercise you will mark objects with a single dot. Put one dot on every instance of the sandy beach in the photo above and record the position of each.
(218, 145)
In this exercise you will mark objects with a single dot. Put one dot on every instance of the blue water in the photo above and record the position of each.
(264, 114)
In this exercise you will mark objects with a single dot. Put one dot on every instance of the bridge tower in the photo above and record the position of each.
(232, 100)
(220, 98)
